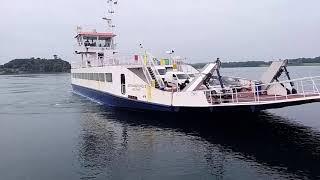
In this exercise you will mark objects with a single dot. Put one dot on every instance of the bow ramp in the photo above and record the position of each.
(273, 74)
(206, 72)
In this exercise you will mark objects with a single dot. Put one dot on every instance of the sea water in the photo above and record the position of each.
(47, 132)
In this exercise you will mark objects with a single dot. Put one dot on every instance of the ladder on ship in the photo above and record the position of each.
(153, 76)
(152, 73)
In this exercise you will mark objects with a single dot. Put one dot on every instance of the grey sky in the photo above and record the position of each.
(234, 30)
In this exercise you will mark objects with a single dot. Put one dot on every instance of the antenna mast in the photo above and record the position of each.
(110, 14)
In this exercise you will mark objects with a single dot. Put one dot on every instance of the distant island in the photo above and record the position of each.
(35, 65)
(292, 62)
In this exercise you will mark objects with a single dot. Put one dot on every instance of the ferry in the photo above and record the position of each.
(144, 82)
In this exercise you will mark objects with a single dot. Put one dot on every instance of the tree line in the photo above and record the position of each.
(35, 65)
(292, 62)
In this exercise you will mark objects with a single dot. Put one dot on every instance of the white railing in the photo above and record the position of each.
(121, 60)
(155, 71)
(76, 65)
(113, 60)
(145, 71)
(305, 87)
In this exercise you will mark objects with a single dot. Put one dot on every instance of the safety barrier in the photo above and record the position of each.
(302, 88)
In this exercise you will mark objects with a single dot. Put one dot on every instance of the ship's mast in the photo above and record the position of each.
(110, 14)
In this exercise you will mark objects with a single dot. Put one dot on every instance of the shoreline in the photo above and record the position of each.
(33, 73)
(305, 65)
(36, 73)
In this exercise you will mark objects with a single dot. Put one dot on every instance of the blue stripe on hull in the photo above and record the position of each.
(110, 100)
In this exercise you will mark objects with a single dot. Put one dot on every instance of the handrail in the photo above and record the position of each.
(154, 69)
(306, 87)
(146, 73)
(293, 80)
(111, 60)
(315, 86)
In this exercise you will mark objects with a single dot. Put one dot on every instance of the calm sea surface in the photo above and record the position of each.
(46, 132)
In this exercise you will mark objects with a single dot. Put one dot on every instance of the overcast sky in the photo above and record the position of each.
(235, 30)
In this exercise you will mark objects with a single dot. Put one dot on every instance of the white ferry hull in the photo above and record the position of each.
(111, 100)
(114, 101)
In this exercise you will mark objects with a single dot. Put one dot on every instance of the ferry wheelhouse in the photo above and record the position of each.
(144, 82)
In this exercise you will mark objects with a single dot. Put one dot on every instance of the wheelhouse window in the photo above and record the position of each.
(90, 41)
(95, 41)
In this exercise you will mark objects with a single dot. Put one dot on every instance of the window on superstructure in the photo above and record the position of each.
(94, 76)
(101, 77)
(90, 41)
(79, 40)
(104, 42)
(108, 77)
(86, 42)
(97, 77)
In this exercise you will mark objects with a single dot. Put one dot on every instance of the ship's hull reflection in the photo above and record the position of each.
(271, 141)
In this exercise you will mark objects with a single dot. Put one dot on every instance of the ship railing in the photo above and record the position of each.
(76, 65)
(254, 93)
(121, 60)
(145, 70)
(130, 60)
(154, 69)
(114, 60)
